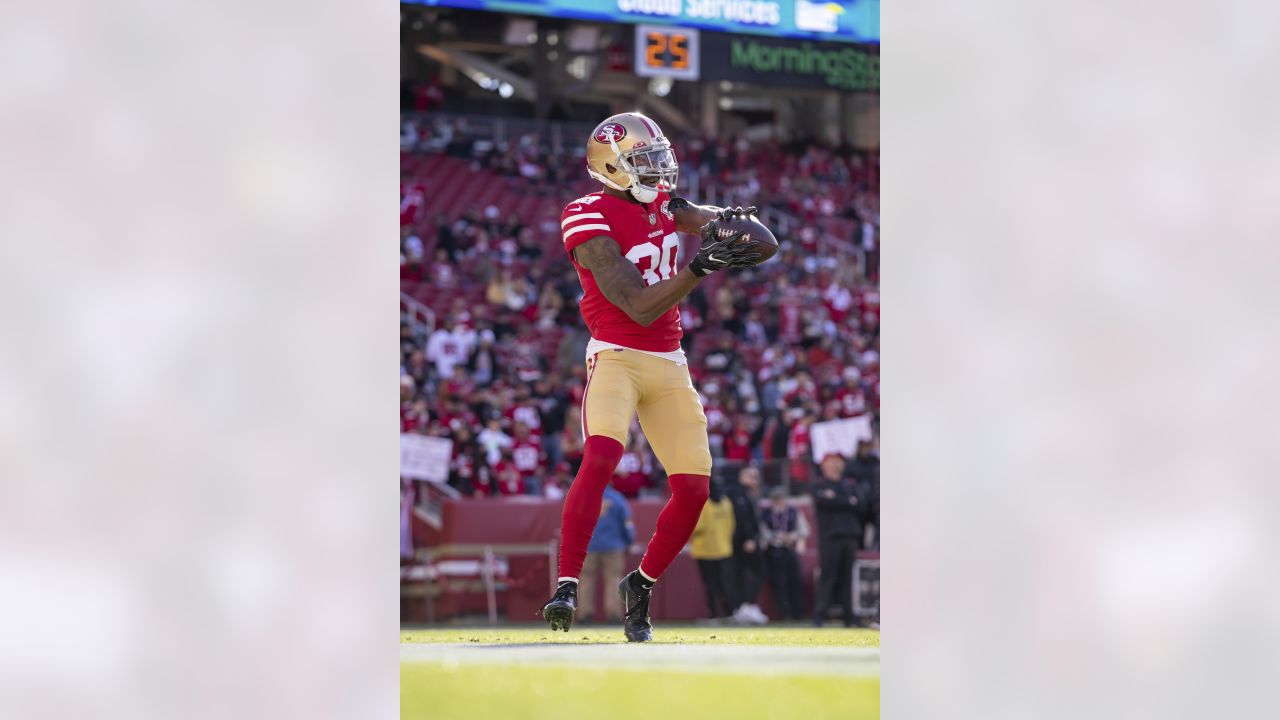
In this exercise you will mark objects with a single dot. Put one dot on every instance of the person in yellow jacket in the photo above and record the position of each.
(712, 546)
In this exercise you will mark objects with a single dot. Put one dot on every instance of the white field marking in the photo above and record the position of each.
(736, 659)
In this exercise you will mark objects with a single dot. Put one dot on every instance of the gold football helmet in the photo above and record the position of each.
(629, 152)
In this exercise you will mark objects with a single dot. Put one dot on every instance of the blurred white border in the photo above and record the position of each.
(197, 372)
(1080, 327)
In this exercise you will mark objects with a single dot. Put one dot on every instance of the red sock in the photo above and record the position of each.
(600, 455)
(675, 522)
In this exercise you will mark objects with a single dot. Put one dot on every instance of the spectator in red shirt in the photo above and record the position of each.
(558, 482)
(838, 300)
(412, 199)
(852, 400)
(799, 450)
(508, 478)
(529, 459)
(414, 416)
(737, 446)
(466, 465)
(804, 391)
(822, 353)
(634, 469)
(524, 410)
(459, 384)
(456, 415)
(571, 447)
(717, 419)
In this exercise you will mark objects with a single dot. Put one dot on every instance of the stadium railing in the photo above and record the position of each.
(421, 318)
(431, 499)
(500, 129)
(469, 567)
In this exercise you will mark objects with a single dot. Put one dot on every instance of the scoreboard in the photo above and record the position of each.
(855, 21)
(666, 51)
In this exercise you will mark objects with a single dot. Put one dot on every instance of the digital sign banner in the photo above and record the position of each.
(840, 20)
(792, 63)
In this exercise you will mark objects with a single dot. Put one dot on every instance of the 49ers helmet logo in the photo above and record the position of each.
(610, 131)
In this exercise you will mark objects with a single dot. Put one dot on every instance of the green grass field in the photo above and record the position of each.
(745, 673)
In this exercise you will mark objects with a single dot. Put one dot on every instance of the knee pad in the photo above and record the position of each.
(600, 455)
(696, 488)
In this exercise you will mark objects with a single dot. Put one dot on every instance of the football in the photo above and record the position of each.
(756, 234)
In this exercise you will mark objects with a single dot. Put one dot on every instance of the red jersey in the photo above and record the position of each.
(737, 446)
(852, 401)
(508, 482)
(631, 475)
(798, 452)
(646, 235)
(526, 455)
(410, 420)
(463, 463)
(527, 414)
(412, 198)
(717, 425)
(806, 392)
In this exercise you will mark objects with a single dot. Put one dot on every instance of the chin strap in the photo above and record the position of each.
(641, 193)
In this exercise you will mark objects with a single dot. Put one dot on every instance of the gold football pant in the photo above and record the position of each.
(624, 383)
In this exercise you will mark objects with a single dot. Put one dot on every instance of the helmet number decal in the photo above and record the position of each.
(610, 132)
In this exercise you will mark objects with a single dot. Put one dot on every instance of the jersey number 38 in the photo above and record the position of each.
(661, 263)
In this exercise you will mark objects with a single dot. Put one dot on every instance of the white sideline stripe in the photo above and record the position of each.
(735, 659)
(575, 218)
(580, 228)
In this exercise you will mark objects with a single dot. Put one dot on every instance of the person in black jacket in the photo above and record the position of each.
(864, 469)
(552, 398)
(839, 511)
(468, 471)
(784, 531)
(748, 556)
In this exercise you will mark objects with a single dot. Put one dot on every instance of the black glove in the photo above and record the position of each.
(731, 213)
(721, 249)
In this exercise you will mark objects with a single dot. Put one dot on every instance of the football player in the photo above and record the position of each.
(623, 241)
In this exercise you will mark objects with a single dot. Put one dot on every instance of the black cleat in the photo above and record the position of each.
(560, 609)
(635, 601)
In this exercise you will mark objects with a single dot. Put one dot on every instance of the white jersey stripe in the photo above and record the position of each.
(582, 216)
(580, 228)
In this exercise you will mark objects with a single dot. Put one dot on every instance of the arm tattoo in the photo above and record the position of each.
(615, 275)
(620, 281)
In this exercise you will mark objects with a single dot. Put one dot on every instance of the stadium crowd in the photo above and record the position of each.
(772, 349)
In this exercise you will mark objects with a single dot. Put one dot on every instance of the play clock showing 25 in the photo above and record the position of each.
(667, 51)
